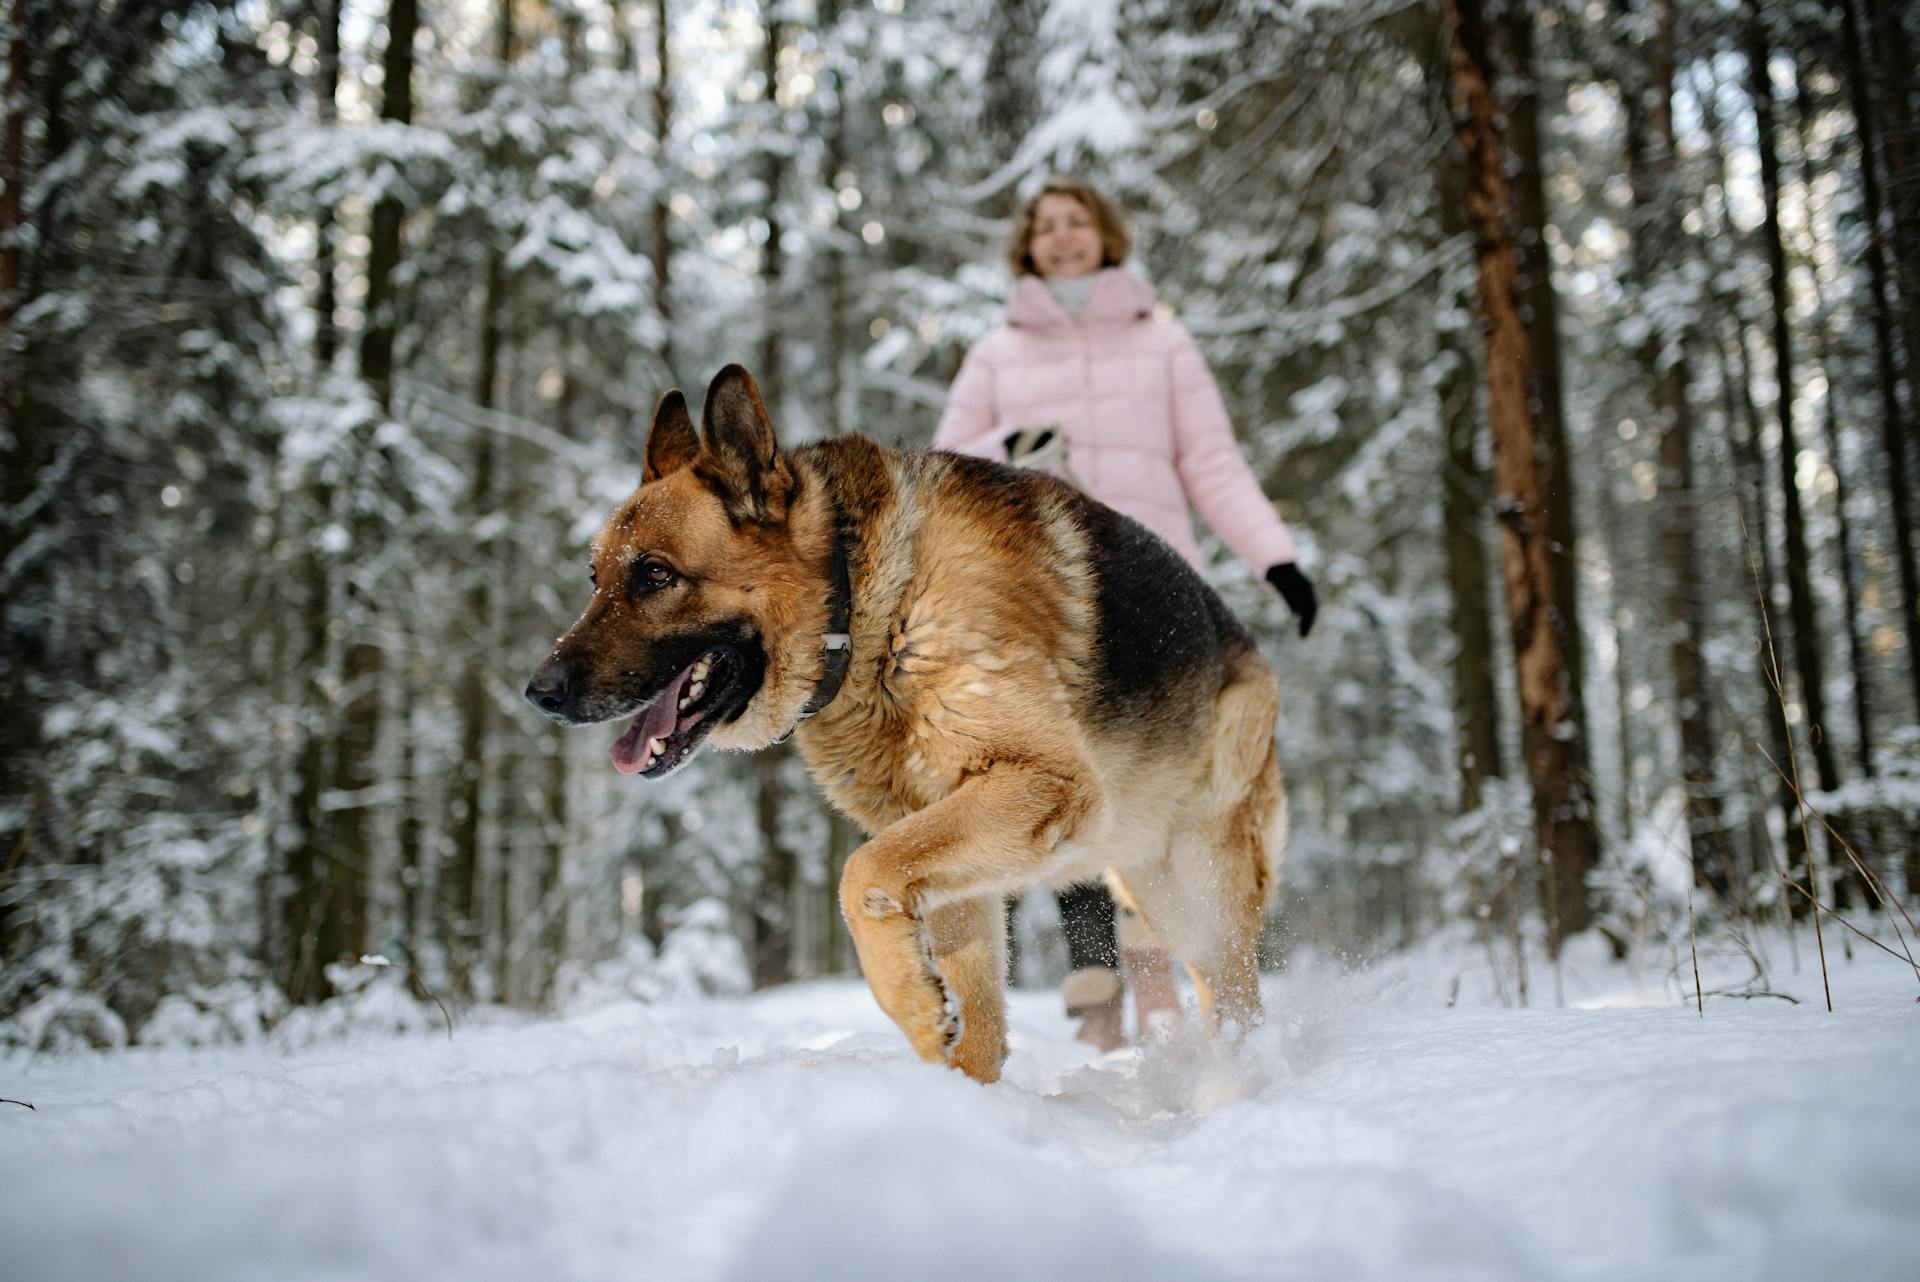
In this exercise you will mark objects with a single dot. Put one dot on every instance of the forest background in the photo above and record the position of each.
(1575, 340)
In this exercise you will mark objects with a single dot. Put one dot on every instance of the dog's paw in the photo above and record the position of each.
(929, 1014)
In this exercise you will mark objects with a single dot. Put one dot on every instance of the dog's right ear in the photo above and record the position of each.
(672, 441)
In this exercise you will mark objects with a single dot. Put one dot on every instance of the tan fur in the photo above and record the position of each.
(968, 739)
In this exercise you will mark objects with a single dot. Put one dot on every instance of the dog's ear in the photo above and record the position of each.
(741, 455)
(672, 442)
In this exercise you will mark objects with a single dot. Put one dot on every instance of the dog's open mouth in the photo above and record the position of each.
(666, 731)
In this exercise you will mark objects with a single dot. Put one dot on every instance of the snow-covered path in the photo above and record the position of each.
(789, 1136)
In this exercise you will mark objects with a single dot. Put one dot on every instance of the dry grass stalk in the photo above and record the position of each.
(1771, 667)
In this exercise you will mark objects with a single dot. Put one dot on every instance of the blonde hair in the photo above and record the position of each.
(1114, 240)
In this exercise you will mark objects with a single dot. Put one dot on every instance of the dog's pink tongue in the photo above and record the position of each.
(655, 721)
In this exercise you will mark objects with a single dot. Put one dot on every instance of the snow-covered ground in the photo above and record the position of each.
(1368, 1131)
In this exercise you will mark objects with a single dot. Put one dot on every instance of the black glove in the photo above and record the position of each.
(1291, 584)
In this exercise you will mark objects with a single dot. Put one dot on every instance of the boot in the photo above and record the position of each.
(1095, 997)
(1156, 1002)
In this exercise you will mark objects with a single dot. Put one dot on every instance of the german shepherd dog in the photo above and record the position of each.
(1004, 682)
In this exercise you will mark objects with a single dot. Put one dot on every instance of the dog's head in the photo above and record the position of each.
(709, 593)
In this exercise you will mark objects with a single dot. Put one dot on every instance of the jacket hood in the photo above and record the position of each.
(1119, 297)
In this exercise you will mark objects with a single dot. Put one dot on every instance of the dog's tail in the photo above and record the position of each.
(1244, 716)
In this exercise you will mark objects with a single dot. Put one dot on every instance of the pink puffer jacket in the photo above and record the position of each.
(1146, 430)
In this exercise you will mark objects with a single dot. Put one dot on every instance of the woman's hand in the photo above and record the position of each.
(1292, 585)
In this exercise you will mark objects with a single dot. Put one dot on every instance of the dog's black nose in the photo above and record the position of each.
(551, 689)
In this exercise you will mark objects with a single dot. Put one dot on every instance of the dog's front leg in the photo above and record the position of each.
(930, 941)
(969, 946)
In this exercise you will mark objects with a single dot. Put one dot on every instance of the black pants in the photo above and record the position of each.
(1086, 914)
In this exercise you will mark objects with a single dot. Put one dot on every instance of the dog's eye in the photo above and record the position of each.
(651, 574)
(593, 576)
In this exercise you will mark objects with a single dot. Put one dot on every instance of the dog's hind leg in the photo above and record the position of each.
(1206, 900)
(917, 885)
(1247, 847)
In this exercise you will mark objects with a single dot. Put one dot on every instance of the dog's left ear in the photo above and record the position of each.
(740, 450)
(672, 442)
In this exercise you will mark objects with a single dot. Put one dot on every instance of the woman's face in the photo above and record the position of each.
(1065, 240)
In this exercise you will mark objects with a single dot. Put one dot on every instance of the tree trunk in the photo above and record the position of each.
(13, 154)
(839, 347)
(553, 890)
(774, 916)
(25, 436)
(1540, 312)
(623, 55)
(1801, 610)
(1748, 452)
(1848, 881)
(1843, 521)
(835, 945)
(376, 343)
(771, 262)
(1897, 427)
(1892, 55)
(1623, 664)
(1009, 102)
(458, 911)
(1476, 703)
(1657, 240)
(1552, 734)
(338, 914)
(773, 920)
(307, 854)
(661, 212)
(326, 337)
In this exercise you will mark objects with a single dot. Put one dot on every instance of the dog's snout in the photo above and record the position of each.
(552, 689)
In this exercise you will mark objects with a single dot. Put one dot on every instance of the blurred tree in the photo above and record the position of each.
(1665, 284)
(1802, 610)
(1897, 431)
(1553, 734)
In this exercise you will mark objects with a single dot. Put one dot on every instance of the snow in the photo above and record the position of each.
(1368, 1131)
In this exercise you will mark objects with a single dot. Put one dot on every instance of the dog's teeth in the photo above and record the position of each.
(655, 747)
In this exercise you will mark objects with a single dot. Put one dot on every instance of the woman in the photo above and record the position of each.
(1084, 381)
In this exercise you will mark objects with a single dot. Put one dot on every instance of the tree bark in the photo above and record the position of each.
(13, 154)
(835, 944)
(1658, 239)
(1748, 452)
(1897, 426)
(1892, 57)
(458, 915)
(1009, 102)
(773, 915)
(338, 913)
(1624, 662)
(1843, 521)
(26, 442)
(1540, 312)
(326, 338)
(661, 211)
(1801, 610)
(1552, 734)
(376, 343)
(1848, 880)
(1476, 703)
(774, 912)
(839, 348)
(772, 263)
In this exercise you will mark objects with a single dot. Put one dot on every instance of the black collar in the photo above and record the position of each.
(836, 643)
